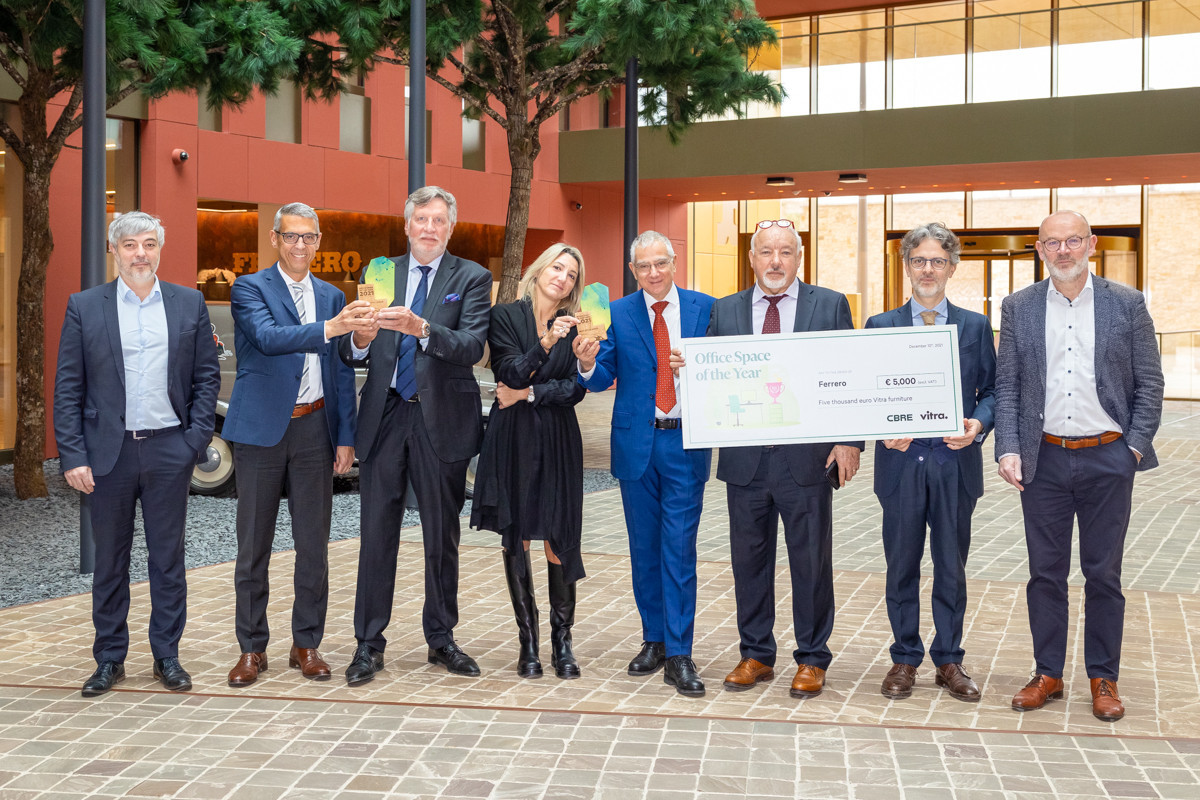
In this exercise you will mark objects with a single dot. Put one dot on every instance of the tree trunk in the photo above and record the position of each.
(37, 242)
(523, 146)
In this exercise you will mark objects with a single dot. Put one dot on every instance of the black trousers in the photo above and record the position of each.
(303, 462)
(402, 451)
(930, 493)
(807, 513)
(156, 472)
(1095, 486)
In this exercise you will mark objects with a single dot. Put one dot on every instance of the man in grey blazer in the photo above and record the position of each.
(764, 484)
(419, 417)
(1079, 390)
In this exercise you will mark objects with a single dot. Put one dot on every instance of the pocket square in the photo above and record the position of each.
(451, 298)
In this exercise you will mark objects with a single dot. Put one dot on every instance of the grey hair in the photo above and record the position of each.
(296, 210)
(931, 230)
(790, 228)
(647, 238)
(426, 195)
(133, 222)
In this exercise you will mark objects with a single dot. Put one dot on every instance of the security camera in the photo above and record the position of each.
(577, 206)
(179, 156)
(827, 193)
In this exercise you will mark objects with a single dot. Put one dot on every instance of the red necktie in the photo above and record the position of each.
(664, 392)
(771, 320)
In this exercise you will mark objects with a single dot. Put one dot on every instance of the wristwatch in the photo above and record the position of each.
(424, 330)
(530, 397)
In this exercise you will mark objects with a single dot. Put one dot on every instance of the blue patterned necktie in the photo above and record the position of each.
(406, 363)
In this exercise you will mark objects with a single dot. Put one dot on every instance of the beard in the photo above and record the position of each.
(780, 282)
(926, 292)
(1067, 272)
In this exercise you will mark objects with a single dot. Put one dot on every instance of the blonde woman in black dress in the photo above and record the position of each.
(529, 483)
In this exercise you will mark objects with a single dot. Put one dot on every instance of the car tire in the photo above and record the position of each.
(214, 477)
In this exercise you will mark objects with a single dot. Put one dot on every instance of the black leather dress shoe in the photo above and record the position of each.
(106, 674)
(454, 660)
(172, 674)
(681, 673)
(647, 662)
(366, 662)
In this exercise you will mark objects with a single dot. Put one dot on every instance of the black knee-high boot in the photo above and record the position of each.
(562, 617)
(520, 589)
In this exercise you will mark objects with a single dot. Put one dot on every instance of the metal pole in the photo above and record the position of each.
(631, 169)
(416, 97)
(92, 266)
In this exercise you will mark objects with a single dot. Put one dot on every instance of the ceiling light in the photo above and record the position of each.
(780, 180)
(852, 177)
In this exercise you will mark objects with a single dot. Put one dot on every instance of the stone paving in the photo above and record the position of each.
(417, 732)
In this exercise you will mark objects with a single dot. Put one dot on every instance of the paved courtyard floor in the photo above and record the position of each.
(416, 731)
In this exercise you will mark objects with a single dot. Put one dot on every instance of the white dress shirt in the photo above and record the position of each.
(674, 331)
(314, 390)
(942, 309)
(786, 306)
(145, 350)
(1072, 405)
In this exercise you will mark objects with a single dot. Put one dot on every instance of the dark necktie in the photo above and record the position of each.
(664, 391)
(930, 317)
(771, 320)
(406, 362)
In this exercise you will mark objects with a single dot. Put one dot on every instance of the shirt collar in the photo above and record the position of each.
(433, 265)
(1087, 290)
(672, 298)
(306, 281)
(126, 294)
(942, 308)
(792, 291)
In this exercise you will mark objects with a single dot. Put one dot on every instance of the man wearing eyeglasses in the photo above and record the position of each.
(291, 421)
(766, 483)
(662, 485)
(1079, 389)
(934, 482)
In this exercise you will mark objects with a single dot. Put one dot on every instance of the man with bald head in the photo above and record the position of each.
(1079, 390)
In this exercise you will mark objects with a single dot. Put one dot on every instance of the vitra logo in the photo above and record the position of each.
(933, 415)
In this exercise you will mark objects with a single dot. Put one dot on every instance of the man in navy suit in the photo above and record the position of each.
(662, 485)
(291, 421)
(1079, 389)
(135, 401)
(764, 483)
(934, 482)
(420, 418)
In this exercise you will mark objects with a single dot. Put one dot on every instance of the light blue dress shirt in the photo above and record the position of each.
(145, 349)
(942, 309)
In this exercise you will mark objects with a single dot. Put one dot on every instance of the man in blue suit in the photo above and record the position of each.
(934, 482)
(135, 398)
(1079, 389)
(291, 421)
(662, 485)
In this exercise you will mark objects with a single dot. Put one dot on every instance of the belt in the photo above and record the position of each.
(146, 434)
(304, 409)
(1078, 442)
(668, 424)
(416, 398)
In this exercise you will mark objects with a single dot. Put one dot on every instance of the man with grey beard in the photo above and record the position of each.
(1079, 390)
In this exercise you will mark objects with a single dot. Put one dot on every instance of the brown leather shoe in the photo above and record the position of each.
(747, 673)
(898, 683)
(1106, 704)
(245, 671)
(1037, 692)
(809, 681)
(309, 662)
(957, 682)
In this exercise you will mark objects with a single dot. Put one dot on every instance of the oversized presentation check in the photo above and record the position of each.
(823, 386)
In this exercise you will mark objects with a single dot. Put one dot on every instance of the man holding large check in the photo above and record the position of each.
(765, 481)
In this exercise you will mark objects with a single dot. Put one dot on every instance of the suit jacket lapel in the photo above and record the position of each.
(437, 287)
(1037, 324)
(112, 322)
(1103, 312)
(173, 312)
(954, 317)
(689, 315)
(805, 306)
(277, 286)
(745, 313)
(640, 318)
(904, 316)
